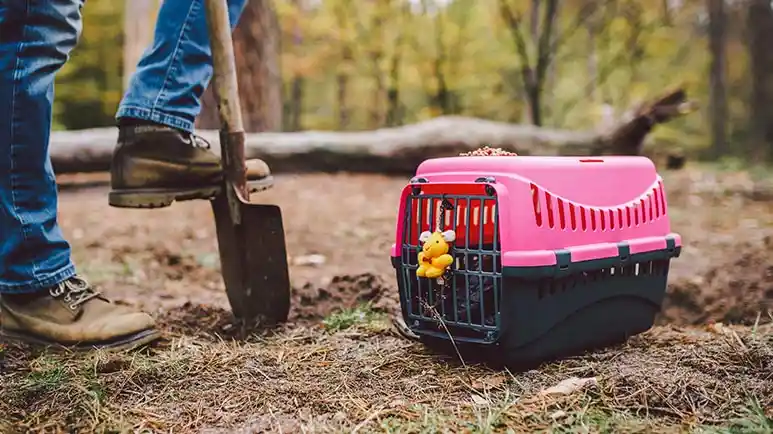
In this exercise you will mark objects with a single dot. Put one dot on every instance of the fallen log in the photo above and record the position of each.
(397, 150)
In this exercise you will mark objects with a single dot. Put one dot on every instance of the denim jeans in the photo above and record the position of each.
(36, 38)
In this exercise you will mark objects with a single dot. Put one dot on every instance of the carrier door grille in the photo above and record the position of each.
(466, 303)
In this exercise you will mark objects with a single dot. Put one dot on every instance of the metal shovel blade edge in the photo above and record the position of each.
(253, 260)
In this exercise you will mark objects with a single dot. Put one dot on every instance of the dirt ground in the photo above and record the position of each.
(337, 366)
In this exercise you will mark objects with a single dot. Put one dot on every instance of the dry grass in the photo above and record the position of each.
(355, 375)
(348, 372)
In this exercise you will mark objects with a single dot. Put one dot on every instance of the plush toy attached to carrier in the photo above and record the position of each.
(533, 257)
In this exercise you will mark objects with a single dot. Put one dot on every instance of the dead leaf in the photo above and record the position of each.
(717, 328)
(569, 386)
(398, 403)
(314, 260)
(558, 415)
(479, 400)
(489, 382)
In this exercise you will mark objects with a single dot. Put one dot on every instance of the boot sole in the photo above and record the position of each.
(163, 197)
(121, 343)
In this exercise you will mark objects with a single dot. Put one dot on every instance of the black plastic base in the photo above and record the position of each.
(567, 309)
(572, 322)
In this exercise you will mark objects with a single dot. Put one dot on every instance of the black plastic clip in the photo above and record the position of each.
(486, 179)
(416, 190)
(491, 191)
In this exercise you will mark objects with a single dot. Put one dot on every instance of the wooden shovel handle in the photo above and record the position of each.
(226, 89)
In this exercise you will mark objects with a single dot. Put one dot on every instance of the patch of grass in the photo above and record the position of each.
(754, 420)
(57, 389)
(79, 391)
(347, 318)
(505, 416)
(362, 379)
(46, 374)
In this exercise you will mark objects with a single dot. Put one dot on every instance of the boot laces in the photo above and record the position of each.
(197, 141)
(74, 291)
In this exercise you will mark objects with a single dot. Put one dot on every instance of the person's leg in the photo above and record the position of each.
(33, 253)
(41, 298)
(158, 159)
(175, 70)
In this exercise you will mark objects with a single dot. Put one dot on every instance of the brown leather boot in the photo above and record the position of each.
(155, 165)
(73, 315)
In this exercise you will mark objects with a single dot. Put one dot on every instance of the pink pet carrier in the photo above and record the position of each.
(552, 256)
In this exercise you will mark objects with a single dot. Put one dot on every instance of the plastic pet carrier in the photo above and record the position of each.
(532, 258)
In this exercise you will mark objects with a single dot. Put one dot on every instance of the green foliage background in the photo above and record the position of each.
(482, 67)
(89, 86)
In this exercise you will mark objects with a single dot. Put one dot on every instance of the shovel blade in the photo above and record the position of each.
(253, 260)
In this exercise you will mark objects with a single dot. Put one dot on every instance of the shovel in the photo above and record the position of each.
(250, 237)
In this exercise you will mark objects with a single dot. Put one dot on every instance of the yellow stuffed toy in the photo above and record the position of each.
(434, 257)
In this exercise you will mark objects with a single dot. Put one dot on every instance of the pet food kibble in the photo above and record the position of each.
(487, 151)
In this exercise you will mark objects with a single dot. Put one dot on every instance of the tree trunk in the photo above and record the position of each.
(635, 12)
(139, 17)
(342, 96)
(592, 62)
(256, 44)
(718, 75)
(760, 28)
(534, 20)
(666, 11)
(393, 117)
(439, 99)
(342, 12)
(376, 55)
(397, 150)
(533, 73)
(393, 109)
(532, 101)
(609, 12)
(294, 113)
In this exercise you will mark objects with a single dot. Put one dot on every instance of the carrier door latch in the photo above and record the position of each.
(417, 180)
(487, 180)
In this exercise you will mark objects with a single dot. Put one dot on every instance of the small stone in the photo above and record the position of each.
(309, 260)
(560, 414)
(570, 385)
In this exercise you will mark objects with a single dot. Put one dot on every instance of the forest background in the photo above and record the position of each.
(575, 64)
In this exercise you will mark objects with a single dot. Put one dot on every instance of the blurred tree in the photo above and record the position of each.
(380, 13)
(439, 99)
(395, 109)
(593, 27)
(634, 13)
(138, 24)
(760, 33)
(718, 75)
(345, 38)
(294, 106)
(89, 86)
(533, 71)
(370, 63)
(256, 46)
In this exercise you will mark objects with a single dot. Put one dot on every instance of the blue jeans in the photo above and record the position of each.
(36, 38)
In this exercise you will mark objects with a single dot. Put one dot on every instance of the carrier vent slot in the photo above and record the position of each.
(552, 286)
(559, 213)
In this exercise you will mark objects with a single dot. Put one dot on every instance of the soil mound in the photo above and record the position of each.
(739, 291)
(312, 302)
